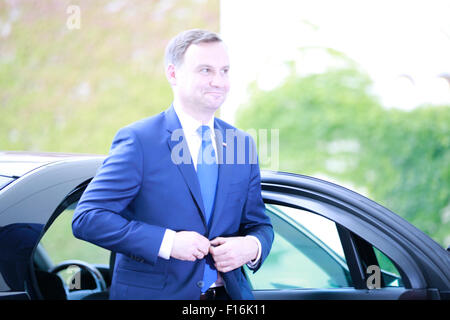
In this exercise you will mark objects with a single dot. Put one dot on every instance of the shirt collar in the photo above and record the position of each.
(189, 124)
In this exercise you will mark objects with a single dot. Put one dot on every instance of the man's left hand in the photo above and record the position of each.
(233, 252)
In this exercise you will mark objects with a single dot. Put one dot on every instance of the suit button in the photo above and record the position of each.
(200, 284)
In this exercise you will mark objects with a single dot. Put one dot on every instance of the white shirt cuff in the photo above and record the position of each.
(252, 264)
(166, 244)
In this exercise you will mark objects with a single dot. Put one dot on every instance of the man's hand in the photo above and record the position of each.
(233, 252)
(189, 245)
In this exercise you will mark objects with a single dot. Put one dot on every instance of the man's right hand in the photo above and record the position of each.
(189, 246)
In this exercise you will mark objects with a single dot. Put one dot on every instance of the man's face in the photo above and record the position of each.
(201, 81)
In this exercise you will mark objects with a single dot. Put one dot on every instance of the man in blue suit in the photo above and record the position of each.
(179, 198)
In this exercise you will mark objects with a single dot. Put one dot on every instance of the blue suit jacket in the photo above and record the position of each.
(141, 190)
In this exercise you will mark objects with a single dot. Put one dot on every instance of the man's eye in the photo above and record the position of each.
(204, 70)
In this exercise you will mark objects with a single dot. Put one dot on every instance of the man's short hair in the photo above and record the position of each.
(177, 47)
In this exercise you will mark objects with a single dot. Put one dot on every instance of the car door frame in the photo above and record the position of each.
(420, 260)
(38, 252)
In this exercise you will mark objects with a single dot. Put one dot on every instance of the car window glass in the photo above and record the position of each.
(389, 271)
(60, 243)
(306, 253)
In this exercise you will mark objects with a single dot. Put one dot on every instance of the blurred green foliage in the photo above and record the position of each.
(330, 125)
(70, 90)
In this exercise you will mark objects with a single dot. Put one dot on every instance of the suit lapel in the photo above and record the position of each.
(186, 166)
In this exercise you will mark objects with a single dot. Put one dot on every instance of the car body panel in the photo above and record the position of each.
(26, 206)
(18, 163)
(44, 188)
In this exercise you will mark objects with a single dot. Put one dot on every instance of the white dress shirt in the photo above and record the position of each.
(194, 141)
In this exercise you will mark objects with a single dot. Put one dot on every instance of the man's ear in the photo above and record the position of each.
(171, 74)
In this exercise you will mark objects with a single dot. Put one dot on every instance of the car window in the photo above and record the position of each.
(60, 243)
(389, 272)
(306, 253)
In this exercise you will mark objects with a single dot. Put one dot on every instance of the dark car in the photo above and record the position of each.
(330, 242)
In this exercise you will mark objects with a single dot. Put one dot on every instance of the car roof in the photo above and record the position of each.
(14, 164)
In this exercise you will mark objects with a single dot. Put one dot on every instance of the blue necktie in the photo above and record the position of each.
(207, 172)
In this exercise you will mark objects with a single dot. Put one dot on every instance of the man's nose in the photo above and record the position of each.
(219, 81)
